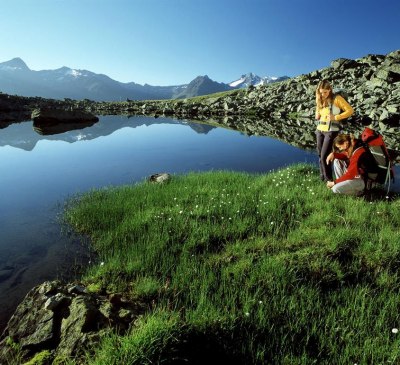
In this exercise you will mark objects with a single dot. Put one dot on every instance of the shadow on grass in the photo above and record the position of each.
(202, 348)
(376, 194)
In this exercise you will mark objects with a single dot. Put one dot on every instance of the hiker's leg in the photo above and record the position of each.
(320, 140)
(339, 167)
(350, 187)
(326, 149)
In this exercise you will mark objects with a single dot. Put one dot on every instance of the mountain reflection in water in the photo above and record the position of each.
(39, 170)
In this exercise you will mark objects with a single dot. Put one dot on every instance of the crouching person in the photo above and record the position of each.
(350, 164)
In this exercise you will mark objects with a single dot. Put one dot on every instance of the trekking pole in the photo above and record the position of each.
(387, 179)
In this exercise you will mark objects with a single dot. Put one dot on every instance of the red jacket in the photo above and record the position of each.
(354, 170)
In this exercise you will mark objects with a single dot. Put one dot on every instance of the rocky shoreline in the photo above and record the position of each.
(59, 321)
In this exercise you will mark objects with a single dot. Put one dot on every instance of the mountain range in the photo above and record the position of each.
(16, 78)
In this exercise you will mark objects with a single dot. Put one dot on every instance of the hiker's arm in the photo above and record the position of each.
(352, 170)
(330, 158)
(317, 113)
(339, 156)
(343, 105)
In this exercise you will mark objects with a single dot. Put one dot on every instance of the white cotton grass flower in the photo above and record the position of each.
(102, 263)
(247, 314)
(395, 330)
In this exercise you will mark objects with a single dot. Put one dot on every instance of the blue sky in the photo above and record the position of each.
(170, 42)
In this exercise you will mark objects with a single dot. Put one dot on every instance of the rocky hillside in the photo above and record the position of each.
(372, 84)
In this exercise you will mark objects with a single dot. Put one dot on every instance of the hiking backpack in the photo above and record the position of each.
(383, 172)
(342, 92)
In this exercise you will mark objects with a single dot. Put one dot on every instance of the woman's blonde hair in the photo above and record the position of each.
(324, 84)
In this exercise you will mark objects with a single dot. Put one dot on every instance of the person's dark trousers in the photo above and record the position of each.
(324, 148)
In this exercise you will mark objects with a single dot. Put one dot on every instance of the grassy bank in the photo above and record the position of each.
(238, 268)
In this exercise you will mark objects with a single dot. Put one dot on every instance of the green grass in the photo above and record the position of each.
(221, 94)
(239, 268)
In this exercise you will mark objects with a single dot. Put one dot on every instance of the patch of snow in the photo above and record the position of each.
(75, 73)
(236, 83)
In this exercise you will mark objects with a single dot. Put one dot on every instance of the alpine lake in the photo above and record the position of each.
(42, 168)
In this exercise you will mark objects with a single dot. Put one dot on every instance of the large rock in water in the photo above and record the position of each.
(46, 128)
(45, 115)
(63, 320)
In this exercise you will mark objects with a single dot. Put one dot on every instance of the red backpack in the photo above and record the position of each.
(374, 144)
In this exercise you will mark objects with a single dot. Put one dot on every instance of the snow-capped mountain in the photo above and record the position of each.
(16, 64)
(17, 79)
(252, 79)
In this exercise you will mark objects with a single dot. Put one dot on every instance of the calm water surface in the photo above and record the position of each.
(39, 172)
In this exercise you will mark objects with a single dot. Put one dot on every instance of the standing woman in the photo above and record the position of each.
(331, 109)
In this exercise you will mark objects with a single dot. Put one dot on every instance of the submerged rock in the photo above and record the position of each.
(64, 320)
